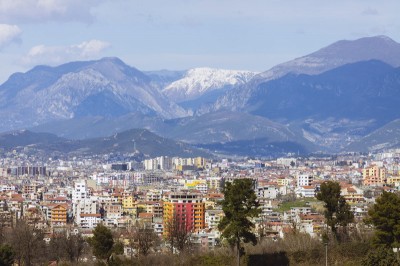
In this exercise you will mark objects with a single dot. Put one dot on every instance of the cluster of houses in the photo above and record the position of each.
(61, 197)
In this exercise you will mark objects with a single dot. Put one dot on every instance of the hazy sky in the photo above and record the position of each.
(182, 34)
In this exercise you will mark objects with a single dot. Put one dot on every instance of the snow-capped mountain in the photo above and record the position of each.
(199, 81)
(106, 87)
(343, 52)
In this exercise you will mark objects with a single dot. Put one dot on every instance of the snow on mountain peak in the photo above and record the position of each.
(198, 81)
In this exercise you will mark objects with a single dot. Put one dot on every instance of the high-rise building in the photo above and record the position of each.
(185, 208)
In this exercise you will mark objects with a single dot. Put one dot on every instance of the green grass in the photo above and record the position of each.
(304, 202)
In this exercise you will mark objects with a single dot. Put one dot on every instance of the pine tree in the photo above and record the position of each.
(337, 210)
(385, 216)
(239, 205)
(102, 242)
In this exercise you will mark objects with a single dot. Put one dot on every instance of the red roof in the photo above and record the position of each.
(145, 215)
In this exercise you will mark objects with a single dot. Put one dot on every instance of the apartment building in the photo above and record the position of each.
(374, 175)
(186, 208)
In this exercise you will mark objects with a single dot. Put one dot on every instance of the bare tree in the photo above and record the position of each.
(178, 233)
(75, 247)
(65, 246)
(144, 239)
(27, 243)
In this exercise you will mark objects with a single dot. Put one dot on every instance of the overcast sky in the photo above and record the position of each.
(181, 34)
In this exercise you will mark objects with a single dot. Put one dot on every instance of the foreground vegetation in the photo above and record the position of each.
(25, 246)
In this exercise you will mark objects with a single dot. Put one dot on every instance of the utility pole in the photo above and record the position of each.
(326, 253)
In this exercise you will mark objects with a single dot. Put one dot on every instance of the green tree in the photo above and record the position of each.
(337, 210)
(385, 216)
(239, 205)
(381, 256)
(102, 242)
(6, 255)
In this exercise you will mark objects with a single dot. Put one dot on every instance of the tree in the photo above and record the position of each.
(178, 234)
(67, 246)
(337, 210)
(27, 243)
(74, 247)
(6, 255)
(145, 240)
(102, 242)
(382, 256)
(239, 205)
(385, 216)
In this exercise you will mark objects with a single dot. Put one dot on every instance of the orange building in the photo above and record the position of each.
(187, 208)
(59, 215)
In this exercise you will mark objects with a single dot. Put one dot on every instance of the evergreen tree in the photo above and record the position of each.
(6, 255)
(337, 210)
(385, 216)
(239, 205)
(102, 242)
(381, 256)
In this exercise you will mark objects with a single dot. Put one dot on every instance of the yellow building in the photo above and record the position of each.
(374, 175)
(393, 180)
(200, 162)
(129, 205)
(283, 181)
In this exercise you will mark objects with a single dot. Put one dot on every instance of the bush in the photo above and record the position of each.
(381, 256)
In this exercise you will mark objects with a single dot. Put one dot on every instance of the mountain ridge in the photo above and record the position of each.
(342, 52)
(140, 142)
(50, 93)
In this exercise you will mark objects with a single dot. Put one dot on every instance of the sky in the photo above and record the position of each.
(181, 34)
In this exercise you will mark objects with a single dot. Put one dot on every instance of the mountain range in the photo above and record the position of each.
(340, 53)
(342, 97)
(106, 87)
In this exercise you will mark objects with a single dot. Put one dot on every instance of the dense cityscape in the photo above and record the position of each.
(74, 195)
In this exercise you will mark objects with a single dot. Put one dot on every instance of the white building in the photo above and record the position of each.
(159, 163)
(267, 192)
(213, 217)
(305, 191)
(79, 191)
(304, 180)
(89, 220)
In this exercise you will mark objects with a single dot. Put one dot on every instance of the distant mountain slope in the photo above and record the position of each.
(343, 52)
(199, 81)
(104, 87)
(333, 108)
(100, 126)
(227, 127)
(20, 138)
(218, 127)
(386, 137)
(363, 90)
(240, 134)
(146, 143)
(162, 78)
